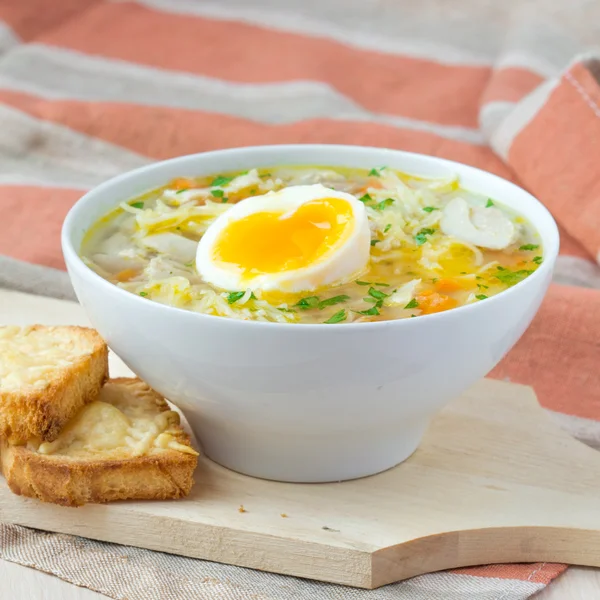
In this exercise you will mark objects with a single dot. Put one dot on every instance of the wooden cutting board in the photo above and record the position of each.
(494, 481)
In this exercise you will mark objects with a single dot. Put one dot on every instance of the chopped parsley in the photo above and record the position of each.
(369, 283)
(189, 264)
(217, 193)
(421, 237)
(337, 318)
(370, 312)
(489, 203)
(481, 296)
(234, 297)
(182, 190)
(365, 198)
(137, 204)
(332, 301)
(511, 278)
(538, 260)
(220, 181)
(287, 310)
(412, 304)
(435, 280)
(483, 287)
(224, 199)
(308, 302)
(387, 228)
(529, 247)
(373, 242)
(430, 208)
(384, 203)
(143, 294)
(376, 172)
(377, 294)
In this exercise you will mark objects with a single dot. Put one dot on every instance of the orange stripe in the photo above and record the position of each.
(569, 246)
(30, 18)
(35, 216)
(163, 132)
(510, 85)
(556, 155)
(416, 88)
(536, 572)
(565, 332)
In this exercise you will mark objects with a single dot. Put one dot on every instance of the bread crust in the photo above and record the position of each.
(76, 481)
(41, 414)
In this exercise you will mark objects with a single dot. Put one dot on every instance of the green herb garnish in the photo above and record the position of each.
(430, 208)
(421, 237)
(378, 294)
(365, 198)
(217, 193)
(489, 203)
(287, 310)
(337, 318)
(435, 280)
(376, 172)
(308, 302)
(224, 199)
(511, 278)
(373, 242)
(182, 190)
(481, 296)
(481, 286)
(369, 283)
(370, 312)
(220, 181)
(412, 304)
(387, 228)
(143, 294)
(189, 264)
(332, 301)
(381, 205)
(529, 247)
(234, 296)
(538, 260)
(137, 204)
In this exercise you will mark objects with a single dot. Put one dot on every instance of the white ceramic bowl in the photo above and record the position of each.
(297, 402)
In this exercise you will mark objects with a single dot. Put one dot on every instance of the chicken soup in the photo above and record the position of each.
(313, 245)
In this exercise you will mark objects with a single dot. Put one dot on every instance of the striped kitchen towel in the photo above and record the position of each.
(91, 88)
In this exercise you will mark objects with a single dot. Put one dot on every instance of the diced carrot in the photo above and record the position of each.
(375, 182)
(447, 285)
(182, 183)
(433, 302)
(126, 275)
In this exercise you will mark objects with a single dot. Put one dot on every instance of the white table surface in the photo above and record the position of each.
(22, 583)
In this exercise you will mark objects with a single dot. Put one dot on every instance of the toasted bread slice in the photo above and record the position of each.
(46, 375)
(125, 445)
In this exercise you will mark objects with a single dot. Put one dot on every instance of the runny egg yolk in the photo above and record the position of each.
(275, 242)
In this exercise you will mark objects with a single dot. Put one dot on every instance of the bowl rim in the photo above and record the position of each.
(74, 261)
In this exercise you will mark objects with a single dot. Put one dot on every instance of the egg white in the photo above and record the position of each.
(338, 265)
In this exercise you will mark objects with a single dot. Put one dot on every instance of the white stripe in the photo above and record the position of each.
(524, 112)
(492, 114)
(34, 279)
(584, 430)
(8, 38)
(54, 73)
(38, 152)
(391, 29)
(452, 586)
(572, 270)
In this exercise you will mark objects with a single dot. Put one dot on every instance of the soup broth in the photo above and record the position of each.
(432, 245)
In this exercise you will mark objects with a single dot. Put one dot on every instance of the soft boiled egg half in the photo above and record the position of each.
(297, 239)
